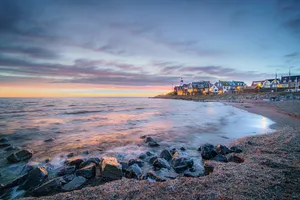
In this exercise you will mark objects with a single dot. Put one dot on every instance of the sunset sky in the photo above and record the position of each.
(51, 48)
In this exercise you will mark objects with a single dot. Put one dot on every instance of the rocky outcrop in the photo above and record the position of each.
(222, 149)
(35, 178)
(96, 161)
(76, 183)
(66, 170)
(133, 171)
(74, 161)
(166, 155)
(208, 151)
(180, 164)
(151, 142)
(140, 163)
(110, 168)
(19, 156)
(88, 171)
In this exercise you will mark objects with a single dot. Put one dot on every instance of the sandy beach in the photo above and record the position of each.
(271, 169)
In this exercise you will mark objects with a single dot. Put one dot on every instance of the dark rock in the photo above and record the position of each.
(12, 148)
(1, 190)
(88, 171)
(222, 149)
(182, 148)
(26, 169)
(233, 158)
(76, 183)
(152, 159)
(3, 140)
(149, 153)
(152, 175)
(143, 136)
(67, 178)
(35, 178)
(110, 168)
(209, 168)
(47, 188)
(236, 149)
(161, 163)
(89, 161)
(3, 145)
(49, 140)
(19, 156)
(208, 151)
(140, 163)
(219, 158)
(149, 139)
(153, 144)
(180, 164)
(86, 152)
(124, 165)
(173, 151)
(166, 154)
(74, 161)
(133, 171)
(70, 155)
(193, 173)
(17, 181)
(66, 170)
(142, 156)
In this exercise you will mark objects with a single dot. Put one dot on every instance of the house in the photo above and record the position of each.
(270, 83)
(215, 89)
(257, 84)
(201, 87)
(290, 81)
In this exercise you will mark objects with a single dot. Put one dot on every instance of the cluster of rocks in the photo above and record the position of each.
(79, 172)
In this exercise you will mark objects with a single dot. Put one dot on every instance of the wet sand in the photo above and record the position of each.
(271, 169)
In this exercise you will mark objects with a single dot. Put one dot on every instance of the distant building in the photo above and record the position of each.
(257, 84)
(290, 81)
(270, 83)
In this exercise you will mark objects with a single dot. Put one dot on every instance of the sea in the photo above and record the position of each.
(94, 127)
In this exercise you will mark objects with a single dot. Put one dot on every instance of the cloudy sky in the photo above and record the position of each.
(141, 47)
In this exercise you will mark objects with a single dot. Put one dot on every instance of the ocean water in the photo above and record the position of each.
(90, 127)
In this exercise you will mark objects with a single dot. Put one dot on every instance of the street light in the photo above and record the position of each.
(290, 75)
(276, 80)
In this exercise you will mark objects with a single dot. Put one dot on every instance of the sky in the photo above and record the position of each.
(68, 48)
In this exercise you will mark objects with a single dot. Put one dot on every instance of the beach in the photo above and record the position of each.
(271, 167)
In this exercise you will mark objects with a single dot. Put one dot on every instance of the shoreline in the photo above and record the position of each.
(271, 169)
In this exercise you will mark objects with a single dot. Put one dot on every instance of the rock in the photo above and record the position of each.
(70, 155)
(208, 151)
(3, 140)
(19, 156)
(219, 158)
(89, 161)
(49, 140)
(152, 159)
(222, 149)
(35, 178)
(47, 188)
(67, 178)
(66, 170)
(142, 156)
(152, 175)
(110, 168)
(153, 144)
(86, 152)
(26, 169)
(76, 183)
(193, 173)
(3, 145)
(233, 158)
(1, 189)
(161, 163)
(133, 171)
(12, 148)
(236, 149)
(180, 164)
(166, 154)
(74, 161)
(143, 136)
(182, 148)
(149, 153)
(87, 172)
(209, 168)
(173, 151)
(140, 163)
(149, 139)
(17, 181)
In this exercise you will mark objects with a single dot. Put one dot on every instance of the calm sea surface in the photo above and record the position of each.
(91, 127)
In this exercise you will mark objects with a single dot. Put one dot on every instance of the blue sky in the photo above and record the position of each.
(143, 47)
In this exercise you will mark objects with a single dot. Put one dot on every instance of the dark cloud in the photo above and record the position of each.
(292, 55)
(294, 24)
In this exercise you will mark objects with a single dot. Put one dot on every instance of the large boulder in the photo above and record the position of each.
(166, 154)
(152, 175)
(222, 149)
(180, 164)
(19, 156)
(161, 163)
(76, 183)
(152, 159)
(219, 158)
(35, 178)
(88, 171)
(140, 163)
(236, 149)
(96, 161)
(193, 173)
(133, 171)
(3, 140)
(47, 188)
(208, 151)
(66, 170)
(110, 168)
(74, 161)
(142, 156)
(153, 144)
(149, 139)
